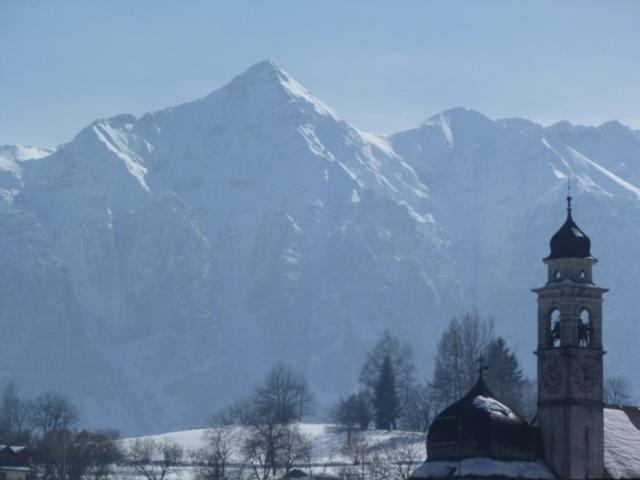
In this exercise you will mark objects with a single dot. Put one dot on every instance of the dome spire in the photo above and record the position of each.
(569, 241)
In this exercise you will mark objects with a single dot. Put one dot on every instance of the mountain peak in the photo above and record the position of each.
(457, 115)
(268, 66)
(267, 80)
(265, 72)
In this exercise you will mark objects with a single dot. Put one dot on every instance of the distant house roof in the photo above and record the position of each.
(300, 473)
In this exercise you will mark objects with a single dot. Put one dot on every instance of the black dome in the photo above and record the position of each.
(569, 241)
(478, 425)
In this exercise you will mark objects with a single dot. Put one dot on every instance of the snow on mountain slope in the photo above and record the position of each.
(498, 190)
(207, 241)
(187, 250)
(11, 157)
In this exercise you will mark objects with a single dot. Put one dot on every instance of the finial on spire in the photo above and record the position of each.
(569, 195)
(482, 366)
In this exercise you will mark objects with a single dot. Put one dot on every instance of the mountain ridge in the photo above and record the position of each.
(192, 247)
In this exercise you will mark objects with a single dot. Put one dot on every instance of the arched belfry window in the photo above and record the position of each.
(584, 329)
(554, 328)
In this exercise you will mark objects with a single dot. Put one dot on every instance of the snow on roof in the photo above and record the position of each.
(493, 407)
(484, 467)
(621, 443)
(14, 449)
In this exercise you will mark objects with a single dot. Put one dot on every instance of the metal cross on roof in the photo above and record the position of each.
(482, 365)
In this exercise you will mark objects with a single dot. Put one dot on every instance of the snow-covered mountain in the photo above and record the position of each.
(153, 268)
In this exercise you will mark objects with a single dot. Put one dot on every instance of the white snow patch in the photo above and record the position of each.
(559, 175)
(379, 142)
(12, 155)
(355, 198)
(443, 122)
(296, 228)
(493, 407)
(116, 144)
(623, 183)
(562, 159)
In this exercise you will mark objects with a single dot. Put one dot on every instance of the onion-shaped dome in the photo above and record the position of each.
(478, 425)
(569, 241)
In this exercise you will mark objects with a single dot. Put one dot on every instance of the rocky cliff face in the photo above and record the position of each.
(153, 268)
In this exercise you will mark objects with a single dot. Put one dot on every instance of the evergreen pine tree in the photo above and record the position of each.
(386, 401)
(504, 376)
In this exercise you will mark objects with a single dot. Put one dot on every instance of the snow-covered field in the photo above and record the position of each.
(327, 440)
(622, 444)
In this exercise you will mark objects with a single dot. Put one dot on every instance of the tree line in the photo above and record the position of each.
(48, 426)
(390, 396)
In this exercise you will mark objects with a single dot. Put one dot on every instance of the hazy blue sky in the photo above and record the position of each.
(383, 66)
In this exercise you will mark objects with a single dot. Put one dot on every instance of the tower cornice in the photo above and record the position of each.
(569, 289)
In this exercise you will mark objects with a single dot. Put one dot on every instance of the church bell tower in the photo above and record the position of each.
(570, 376)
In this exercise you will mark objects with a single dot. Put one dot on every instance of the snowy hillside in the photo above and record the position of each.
(153, 268)
(327, 441)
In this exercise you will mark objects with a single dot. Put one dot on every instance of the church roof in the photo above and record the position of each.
(622, 441)
(478, 425)
(621, 455)
(569, 241)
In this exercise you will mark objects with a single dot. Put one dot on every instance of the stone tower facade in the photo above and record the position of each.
(570, 375)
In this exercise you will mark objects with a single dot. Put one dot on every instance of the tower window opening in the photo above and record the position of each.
(584, 329)
(556, 275)
(583, 275)
(554, 328)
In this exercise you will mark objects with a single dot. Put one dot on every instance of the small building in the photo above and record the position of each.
(15, 463)
(299, 474)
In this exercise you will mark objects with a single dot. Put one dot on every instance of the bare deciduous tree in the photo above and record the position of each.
(241, 412)
(617, 390)
(284, 396)
(356, 449)
(419, 410)
(260, 448)
(396, 460)
(461, 345)
(211, 461)
(154, 460)
(106, 453)
(14, 416)
(91, 455)
(294, 448)
(352, 412)
(51, 412)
